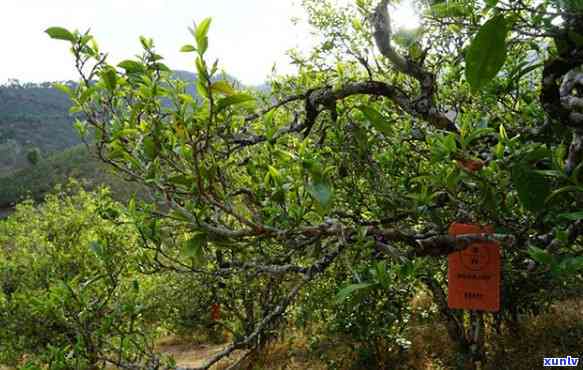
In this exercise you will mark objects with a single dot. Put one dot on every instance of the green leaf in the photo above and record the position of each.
(381, 274)
(346, 291)
(201, 69)
(202, 45)
(550, 173)
(150, 148)
(450, 9)
(132, 66)
(376, 119)
(356, 24)
(187, 49)
(63, 88)
(146, 42)
(502, 133)
(541, 256)
(162, 67)
(487, 53)
(571, 265)
(564, 189)
(559, 157)
(475, 134)
(450, 143)
(128, 132)
(186, 98)
(233, 100)
(223, 87)
(500, 150)
(523, 72)
(539, 153)
(183, 180)
(406, 38)
(322, 192)
(109, 77)
(203, 28)
(201, 35)
(81, 127)
(574, 216)
(409, 269)
(274, 173)
(201, 89)
(533, 188)
(59, 33)
(443, 146)
(194, 247)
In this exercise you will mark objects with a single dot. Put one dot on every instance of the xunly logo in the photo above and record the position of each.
(561, 361)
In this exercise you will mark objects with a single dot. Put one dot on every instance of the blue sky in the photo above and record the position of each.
(247, 36)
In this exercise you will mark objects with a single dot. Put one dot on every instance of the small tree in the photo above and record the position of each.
(69, 292)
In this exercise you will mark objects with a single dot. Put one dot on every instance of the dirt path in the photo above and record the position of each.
(187, 355)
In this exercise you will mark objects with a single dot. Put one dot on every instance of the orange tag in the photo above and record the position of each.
(474, 273)
(470, 165)
(215, 312)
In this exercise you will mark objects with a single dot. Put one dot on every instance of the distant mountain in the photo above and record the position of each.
(76, 162)
(33, 116)
(36, 116)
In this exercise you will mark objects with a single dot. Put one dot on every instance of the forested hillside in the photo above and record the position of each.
(33, 116)
(36, 118)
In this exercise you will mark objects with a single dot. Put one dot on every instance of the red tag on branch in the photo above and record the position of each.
(474, 273)
(470, 165)
(216, 312)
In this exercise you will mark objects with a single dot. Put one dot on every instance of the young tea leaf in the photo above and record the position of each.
(131, 66)
(109, 77)
(150, 148)
(59, 33)
(203, 28)
(223, 87)
(345, 292)
(233, 100)
(187, 49)
(194, 247)
(376, 119)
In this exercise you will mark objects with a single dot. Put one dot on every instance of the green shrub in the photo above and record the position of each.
(70, 295)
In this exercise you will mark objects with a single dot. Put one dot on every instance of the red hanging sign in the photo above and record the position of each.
(474, 273)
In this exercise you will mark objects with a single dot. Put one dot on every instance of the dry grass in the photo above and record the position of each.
(190, 352)
(290, 354)
(556, 333)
